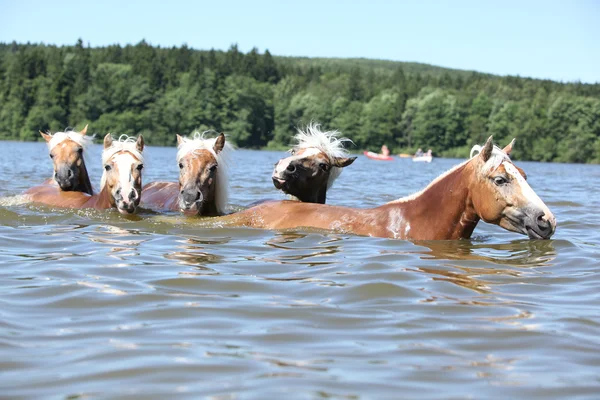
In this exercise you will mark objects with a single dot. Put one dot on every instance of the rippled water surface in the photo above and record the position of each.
(94, 305)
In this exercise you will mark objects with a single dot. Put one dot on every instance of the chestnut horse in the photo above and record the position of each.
(316, 161)
(121, 184)
(203, 187)
(67, 151)
(487, 186)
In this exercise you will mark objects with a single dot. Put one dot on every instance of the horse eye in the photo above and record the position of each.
(140, 167)
(499, 180)
(324, 166)
(180, 166)
(213, 168)
(80, 151)
(51, 155)
(107, 167)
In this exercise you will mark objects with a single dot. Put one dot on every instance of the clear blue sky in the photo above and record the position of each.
(559, 40)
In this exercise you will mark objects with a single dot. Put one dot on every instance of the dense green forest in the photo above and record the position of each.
(258, 100)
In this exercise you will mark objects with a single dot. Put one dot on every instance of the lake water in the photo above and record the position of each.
(94, 305)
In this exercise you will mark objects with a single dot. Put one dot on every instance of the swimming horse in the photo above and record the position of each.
(203, 187)
(486, 187)
(67, 150)
(121, 184)
(315, 163)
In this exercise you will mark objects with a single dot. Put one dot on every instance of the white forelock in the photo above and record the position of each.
(59, 137)
(124, 143)
(198, 142)
(327, 142)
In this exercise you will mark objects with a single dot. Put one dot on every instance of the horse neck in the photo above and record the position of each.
(102, 199)
(318, 196)
(209, 205)
(85, 185)
(443, 211)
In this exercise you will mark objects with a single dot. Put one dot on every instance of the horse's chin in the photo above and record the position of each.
(192, 210)
(278, 182)
(126, 210)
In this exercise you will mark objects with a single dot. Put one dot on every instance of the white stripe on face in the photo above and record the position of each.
(527, 191)
(123, 162)
(285, 162)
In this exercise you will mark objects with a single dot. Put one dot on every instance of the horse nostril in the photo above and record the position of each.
(132, 194)
(198, 196)
(70, 174)
(542, 222)
(118, 192)
(291, 168)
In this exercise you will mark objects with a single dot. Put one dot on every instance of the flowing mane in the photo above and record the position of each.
(58, 137)
(498, 156)
(124, 143)
(198, 142)
(327, 142)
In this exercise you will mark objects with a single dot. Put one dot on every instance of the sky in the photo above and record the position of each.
(550, 39)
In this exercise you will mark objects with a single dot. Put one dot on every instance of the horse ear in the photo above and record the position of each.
(219, 143)
(179, 140)
(108, 141)
(487, 149)
(84, 130)
(509, 147)
(46, 137)
(139, 143)
(342, 162)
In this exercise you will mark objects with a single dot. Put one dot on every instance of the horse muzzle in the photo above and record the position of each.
(190, 201)
(66, 179)
(540, 225)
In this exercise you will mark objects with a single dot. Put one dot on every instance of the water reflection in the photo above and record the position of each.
(126, 242)
(518, 253)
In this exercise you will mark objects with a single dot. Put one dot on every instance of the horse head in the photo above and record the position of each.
(314, 164)
(501, 195)
(203, 177)
(67, 154)
(123, 163)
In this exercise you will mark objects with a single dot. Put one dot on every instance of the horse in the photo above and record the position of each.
(67, 151)
(315, 163)
(488, 187)
(121, 184)
(203, 187)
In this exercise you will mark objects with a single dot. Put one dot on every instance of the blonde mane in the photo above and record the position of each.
(198, 142)
(498, 156)
(327, 142)
(59, 137)
(124, 143)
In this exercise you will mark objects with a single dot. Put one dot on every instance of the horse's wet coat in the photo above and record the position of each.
(67, 152)
(449, 208)
(121, 181)
(203, 179)
(316, 162)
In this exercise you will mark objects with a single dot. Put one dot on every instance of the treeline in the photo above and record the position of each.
(258, 100)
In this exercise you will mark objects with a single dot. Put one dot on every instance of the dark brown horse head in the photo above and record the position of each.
(501, 195)
(67, 154)
(123, 162)
(203, 174)
(316, 161)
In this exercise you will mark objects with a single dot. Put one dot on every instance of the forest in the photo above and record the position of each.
(259, 99)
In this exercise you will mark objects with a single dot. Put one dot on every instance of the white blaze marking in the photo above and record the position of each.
(124, 161)
(526, 190)
(283, 163)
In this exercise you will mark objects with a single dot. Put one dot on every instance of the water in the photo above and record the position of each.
(95, 305)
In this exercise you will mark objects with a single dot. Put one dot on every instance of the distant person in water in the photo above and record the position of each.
(419, 153)
(385, 151)
(429, 153)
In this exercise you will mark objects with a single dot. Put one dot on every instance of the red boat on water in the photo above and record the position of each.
(377, 156)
